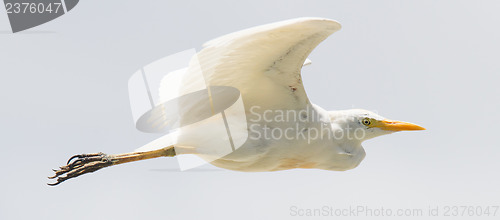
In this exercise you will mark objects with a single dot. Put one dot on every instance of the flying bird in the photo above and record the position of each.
(263, 64)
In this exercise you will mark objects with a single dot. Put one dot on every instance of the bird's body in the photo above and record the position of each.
(294, 144)
(264, 63)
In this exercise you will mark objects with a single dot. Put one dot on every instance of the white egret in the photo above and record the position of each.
(264, 63)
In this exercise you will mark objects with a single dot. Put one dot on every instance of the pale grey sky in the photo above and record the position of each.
(64, 91)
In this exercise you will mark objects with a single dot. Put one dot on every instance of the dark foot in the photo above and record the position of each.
(81, 164)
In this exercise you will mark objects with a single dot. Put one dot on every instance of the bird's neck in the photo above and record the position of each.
(345, 132)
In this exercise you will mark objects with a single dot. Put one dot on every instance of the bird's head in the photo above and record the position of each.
(363, 125)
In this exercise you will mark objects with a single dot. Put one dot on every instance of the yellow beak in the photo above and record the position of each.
(390, 125)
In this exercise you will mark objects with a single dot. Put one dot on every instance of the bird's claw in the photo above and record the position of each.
(81, 156)
(86, 163)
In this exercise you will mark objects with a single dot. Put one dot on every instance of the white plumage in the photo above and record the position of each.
(264, 64)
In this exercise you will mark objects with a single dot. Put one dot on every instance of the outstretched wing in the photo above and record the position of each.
(264, 62)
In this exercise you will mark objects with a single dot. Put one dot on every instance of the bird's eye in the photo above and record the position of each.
(366, 121)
